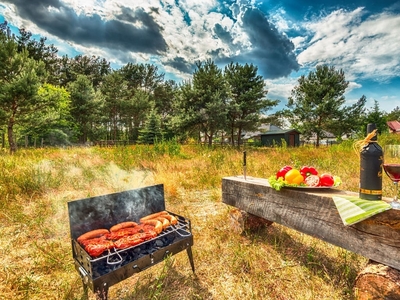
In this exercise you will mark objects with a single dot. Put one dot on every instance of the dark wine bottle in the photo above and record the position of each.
(371, 161)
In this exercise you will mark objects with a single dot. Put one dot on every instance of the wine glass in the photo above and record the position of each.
(391, 166)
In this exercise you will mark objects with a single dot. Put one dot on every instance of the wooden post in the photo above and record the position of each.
(241, 221)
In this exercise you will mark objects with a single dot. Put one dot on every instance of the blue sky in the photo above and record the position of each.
(284, 39)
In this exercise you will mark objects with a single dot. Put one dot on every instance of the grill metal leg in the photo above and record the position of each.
(190, 255)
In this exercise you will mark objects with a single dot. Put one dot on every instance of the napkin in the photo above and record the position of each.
(353, 209)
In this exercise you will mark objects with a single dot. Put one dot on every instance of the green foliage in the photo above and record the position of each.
(201, 105)
(351, 122)
(40, 52)
(85, 107)
(135, 111)
(145, 90)
(114, 90)
(246, 100)
(376, 116)
(316, 103)
(53, 115)
(141, 76)
(57, 137)
(275, 183)
(94, 68)
(151, 133)
(394, 115)
(171, 148)
(20, 80)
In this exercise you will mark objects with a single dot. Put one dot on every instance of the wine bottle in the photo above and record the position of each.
(371, 161)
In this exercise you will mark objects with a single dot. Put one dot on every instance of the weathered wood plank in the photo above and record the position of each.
(315, 214)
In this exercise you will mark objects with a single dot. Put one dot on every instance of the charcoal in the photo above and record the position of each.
(159, 243)
(106, 265)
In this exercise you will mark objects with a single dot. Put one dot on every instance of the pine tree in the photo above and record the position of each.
(151, 132)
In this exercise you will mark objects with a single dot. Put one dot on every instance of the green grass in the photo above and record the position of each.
(273, 263)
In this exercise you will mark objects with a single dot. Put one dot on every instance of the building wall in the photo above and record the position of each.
(272, 140)
(292, 140)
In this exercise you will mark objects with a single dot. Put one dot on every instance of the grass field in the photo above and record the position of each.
(272, 263)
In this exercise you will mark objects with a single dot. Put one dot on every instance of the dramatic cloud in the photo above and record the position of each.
(179, 35)
(131, 30)
(270, 50)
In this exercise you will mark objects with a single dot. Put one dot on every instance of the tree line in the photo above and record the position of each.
(81, 99)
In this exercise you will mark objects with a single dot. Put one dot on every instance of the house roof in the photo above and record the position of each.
(282, 131)
(394, 126)
(260, 130)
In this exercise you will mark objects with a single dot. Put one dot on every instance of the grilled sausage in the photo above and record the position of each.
(123, 225)
(92, 234)
(153, 216)
(172, 219)
(158, 226)
(165, 222)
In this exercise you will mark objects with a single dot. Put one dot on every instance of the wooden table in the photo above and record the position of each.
(313, 212)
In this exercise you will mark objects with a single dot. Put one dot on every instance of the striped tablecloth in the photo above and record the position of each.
(353, 209)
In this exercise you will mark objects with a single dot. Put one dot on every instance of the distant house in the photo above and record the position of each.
(276, 138)
(394, 126)
(256, 135)
(271, 135)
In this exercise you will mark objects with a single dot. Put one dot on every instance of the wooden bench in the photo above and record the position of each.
(313, 212)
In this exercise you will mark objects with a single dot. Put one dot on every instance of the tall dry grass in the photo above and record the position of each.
(272, 263)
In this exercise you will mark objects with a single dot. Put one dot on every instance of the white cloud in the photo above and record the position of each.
(353, 86)
(280, 89)
(362, 48)
(280, 20)
(298, 41)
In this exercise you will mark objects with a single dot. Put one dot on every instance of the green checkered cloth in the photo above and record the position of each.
(353, 209)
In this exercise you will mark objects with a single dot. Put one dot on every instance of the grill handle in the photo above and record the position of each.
(84, 275)
(114, 262)
(185, 234)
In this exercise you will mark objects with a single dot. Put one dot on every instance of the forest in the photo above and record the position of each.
(52, 100)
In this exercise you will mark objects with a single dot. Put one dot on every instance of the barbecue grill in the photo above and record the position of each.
(114, 265)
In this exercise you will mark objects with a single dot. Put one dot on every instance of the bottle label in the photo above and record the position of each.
(371, 192)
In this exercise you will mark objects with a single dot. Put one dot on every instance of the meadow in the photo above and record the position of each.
(273, 262)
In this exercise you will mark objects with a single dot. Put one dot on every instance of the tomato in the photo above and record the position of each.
(326, 180)
(307, 171)
(294, 176)
(282, 172)
(312, 180)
